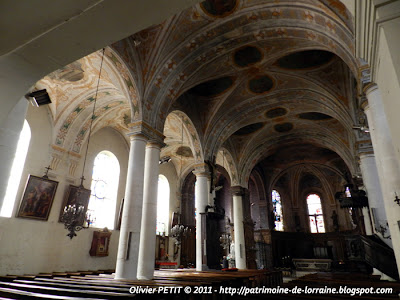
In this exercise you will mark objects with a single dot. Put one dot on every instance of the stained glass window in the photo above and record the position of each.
(104, 189)
(162, 205)
(277, 210)
(315, 214)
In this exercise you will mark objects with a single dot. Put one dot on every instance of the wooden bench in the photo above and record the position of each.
(69, 292)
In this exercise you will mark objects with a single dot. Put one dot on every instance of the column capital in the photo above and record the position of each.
(201, 170)
(238, 190)
(142, 128)
(137, 136)
(369, 88)
(364, 147)
(154, 144)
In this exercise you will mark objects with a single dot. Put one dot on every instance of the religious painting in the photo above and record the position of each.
(76, 196)
(38, 198)
(100, 243)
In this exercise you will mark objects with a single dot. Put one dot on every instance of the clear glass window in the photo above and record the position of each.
(104, 189)
(162, 205)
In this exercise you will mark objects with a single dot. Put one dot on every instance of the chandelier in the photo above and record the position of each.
(74, 216)
(177, 232)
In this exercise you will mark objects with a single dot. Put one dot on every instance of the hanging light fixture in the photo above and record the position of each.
(74, 216)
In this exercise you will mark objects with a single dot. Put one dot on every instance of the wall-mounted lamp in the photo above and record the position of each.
(164, 160)
(396, 199)
(38, 98)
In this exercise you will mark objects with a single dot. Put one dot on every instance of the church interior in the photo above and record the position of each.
(256, 135)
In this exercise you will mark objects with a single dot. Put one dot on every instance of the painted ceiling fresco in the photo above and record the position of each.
(247, 76)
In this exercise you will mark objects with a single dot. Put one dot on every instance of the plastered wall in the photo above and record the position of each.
(31, 246)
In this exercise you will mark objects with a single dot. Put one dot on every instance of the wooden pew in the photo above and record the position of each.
(19, 294)
(69, 292)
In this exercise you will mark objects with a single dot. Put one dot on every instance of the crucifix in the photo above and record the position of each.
(47, 172)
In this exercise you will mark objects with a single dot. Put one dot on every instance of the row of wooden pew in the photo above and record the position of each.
(351, 281)
(102, 285)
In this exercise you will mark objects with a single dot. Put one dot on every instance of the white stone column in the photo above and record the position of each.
(367, 221)
(201, 201)
(128, 248)
(372, 184)
(147, 247)
(386, 161)
(238, 225)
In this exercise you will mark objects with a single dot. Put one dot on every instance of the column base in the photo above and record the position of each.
(145, 277)
(202, 268)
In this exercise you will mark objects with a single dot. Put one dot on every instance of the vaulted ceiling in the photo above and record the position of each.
(252, 77)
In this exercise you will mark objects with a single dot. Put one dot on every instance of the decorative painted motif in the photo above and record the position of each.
(208, 53)
(247, 56)
(305, 59)
(84, 129)
(128, 81)
(72, 72)
(284, 127)
(249, 129)
(184, 151)
(276, 112)
(261, 84)
(314, 116)
(219, 8)
(212, 87)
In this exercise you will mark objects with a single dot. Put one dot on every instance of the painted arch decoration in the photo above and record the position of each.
(225, 159)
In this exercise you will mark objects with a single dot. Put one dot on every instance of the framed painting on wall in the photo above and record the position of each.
(38, 198)
(75, 195)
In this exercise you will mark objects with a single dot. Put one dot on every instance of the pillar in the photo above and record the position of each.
(201, 201)
(386, 161)
(240, 246)
(128, 248)
(147, 248)
(367, 221)
(372, 184)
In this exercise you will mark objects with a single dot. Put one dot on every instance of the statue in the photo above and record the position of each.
(335, 221)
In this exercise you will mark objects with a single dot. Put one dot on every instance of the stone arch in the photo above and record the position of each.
(225, 159)
(116, 100)
(191, 133)
(329, 142)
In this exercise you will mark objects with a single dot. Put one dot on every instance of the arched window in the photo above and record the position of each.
(277, 209)
(162, 205)
(104, 189)
(16, 171)
(315, 214)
